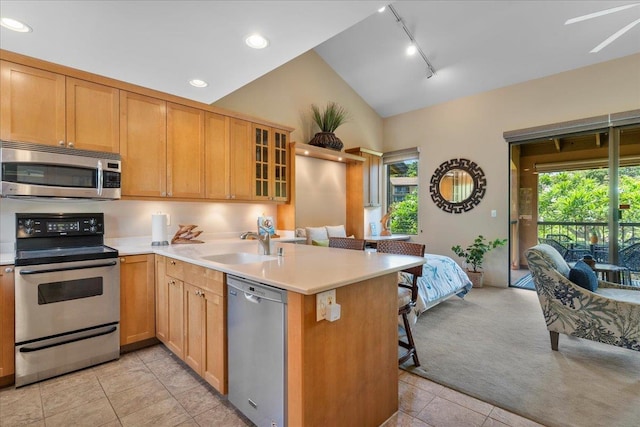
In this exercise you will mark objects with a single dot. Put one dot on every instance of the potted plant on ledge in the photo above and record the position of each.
(328, 120)
(474, 256)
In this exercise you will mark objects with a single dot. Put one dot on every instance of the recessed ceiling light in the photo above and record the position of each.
(256, 41)
(198, 83)
(412, 49)
(15, 25)
(382, 9)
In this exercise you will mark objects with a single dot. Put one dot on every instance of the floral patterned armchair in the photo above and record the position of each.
(610, 315)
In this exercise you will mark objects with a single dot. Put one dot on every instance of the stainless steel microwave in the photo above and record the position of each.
(34, 170)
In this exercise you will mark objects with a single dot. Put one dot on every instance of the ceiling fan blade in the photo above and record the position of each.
(614, 36)
(601, 13)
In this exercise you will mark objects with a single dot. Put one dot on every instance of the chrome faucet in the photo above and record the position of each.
(263, 239)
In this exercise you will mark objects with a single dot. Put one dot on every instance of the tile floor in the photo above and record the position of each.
(152, 387)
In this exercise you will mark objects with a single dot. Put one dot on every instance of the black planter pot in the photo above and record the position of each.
(327, 140)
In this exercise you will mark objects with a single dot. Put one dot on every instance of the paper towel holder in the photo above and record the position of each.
(159, 230)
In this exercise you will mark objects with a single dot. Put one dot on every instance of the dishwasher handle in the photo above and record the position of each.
(252, 298)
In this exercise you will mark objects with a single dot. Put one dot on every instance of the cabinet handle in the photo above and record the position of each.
(70, 144)
(163, 194)
(8, 270)
(169, 194)
(61, 143)
(173, 262)
(122, 260)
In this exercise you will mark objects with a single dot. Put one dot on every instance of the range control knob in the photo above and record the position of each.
(28, 230)
(93, 228)
(28, 223)
(93, 221)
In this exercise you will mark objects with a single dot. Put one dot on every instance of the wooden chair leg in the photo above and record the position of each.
(410, 344)
(554, 340)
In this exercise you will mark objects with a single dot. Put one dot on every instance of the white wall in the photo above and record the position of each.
(320, 192)
(132, 218)
(285, 96)
(472, 128)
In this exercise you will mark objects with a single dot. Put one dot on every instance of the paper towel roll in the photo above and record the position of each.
(159, 229)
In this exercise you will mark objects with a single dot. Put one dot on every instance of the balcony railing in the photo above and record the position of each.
(577, 237)
(580, 232)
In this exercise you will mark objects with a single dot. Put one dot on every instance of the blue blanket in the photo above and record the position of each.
(441, 278)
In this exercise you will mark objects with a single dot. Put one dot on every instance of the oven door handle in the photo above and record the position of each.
(86, 337)
(55, 270)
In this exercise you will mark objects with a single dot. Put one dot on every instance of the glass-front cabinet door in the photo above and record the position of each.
(280, 166)
(271, 164)
(261, 162)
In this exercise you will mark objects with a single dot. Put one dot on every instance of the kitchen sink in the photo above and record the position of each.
(238, 258)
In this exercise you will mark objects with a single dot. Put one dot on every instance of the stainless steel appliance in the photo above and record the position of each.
(34, 170)
(67, 295)
(256, 330)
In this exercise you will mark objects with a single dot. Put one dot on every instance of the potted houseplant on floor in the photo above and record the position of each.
(328, 120)
(474, 256)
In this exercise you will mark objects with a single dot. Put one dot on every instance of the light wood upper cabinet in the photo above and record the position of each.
(185, 152)
(281, 166)
(93, 116)
(143, 145)
(137, 298)
(216, 128)
(371, 176)
(240, 160)
(48, 108)
(7, 322)
(270, 157)
(32, 105)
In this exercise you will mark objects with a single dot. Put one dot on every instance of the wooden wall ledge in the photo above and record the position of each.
(325, 153)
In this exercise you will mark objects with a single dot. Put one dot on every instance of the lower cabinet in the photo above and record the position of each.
(190, 320)
(137, 298)
(169, 307)
(7, 337)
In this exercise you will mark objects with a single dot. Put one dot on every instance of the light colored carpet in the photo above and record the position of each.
(494, 345)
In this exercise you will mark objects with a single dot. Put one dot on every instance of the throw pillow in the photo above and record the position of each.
(584, 276)
(336, 231)
(320, 242)
(316, 233)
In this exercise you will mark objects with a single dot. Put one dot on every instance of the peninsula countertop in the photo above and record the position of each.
(304, 269)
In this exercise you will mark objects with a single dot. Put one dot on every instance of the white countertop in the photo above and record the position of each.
(304, 269)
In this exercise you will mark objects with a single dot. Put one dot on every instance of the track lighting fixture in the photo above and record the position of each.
(414, 46)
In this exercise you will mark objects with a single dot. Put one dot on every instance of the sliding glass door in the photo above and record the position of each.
(579, 192)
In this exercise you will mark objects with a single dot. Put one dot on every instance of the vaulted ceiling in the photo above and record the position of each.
(474, 46)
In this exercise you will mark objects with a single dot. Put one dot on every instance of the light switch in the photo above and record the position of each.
(494, 213)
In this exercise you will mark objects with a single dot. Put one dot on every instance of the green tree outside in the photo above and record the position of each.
(582, 196)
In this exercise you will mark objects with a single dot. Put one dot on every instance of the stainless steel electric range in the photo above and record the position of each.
(67, 290)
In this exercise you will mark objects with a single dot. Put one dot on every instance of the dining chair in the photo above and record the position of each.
(407, 294)
(346, 243)
(568, 253)
(629, 257)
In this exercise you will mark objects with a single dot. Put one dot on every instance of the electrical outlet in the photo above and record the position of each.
(323, 299)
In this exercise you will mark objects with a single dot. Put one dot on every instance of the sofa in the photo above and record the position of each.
(319, 236)
(609, 314)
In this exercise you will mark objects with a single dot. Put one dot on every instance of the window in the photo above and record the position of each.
(401, 174)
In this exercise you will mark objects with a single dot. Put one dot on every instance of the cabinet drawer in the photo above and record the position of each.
(175, 268)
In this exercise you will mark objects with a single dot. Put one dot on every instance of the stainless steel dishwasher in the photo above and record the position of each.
(256, 327)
